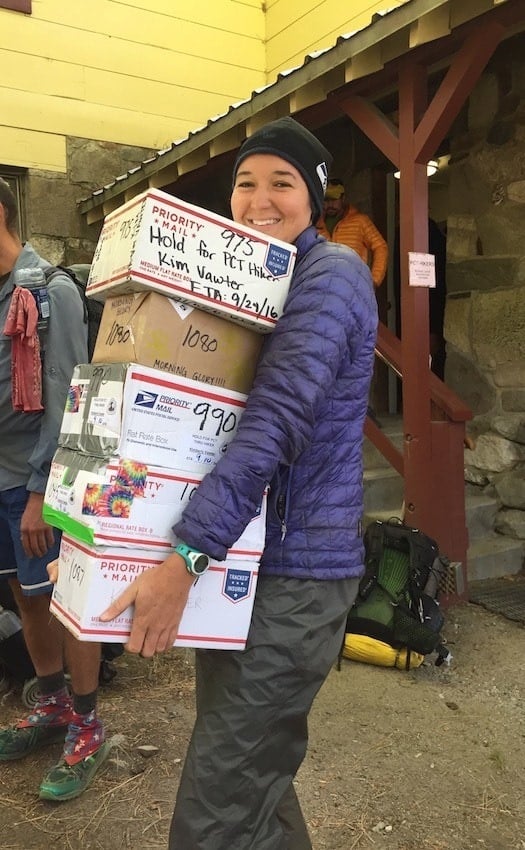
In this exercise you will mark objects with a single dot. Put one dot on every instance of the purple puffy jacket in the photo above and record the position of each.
(302, 429)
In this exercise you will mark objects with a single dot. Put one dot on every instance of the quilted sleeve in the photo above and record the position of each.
(326, 314)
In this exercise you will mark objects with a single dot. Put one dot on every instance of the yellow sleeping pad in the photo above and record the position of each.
(372, 651)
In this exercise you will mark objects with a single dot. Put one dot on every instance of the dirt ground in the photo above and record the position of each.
(432, 759)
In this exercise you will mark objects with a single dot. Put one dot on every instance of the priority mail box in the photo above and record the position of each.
(156, 241)
(145, 414)
(128, 504)
(176, 422)
(153, 330)
(217, 615)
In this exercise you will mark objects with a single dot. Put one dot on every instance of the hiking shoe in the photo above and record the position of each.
(19, 742)
(47, 723)
(67, 781)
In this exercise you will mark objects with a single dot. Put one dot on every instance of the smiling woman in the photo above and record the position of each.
(271, 196)
(302, 431)
(291, 142)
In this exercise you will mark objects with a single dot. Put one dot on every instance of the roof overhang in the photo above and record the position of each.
(364, 62)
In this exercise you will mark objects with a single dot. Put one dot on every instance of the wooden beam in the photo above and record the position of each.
(465, 70)
(434, 25)
(195, 159)
(466, 10)
(316, 91)
(228, 141)
(272, 112)
(373, 123)
(162, 178)
(413, 227)
(362, 64)
(95, 215)
(112, 204)
(135, 190)
(307, 96)
(395, 45)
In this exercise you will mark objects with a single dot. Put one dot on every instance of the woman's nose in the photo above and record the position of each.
(260, 197)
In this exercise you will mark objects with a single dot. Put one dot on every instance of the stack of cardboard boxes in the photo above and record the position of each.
(188, 296)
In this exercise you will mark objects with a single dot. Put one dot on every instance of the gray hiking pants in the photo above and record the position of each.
(251, 733)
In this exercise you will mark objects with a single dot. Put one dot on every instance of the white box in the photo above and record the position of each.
(126, 410)
(217, 615)
(176, 422)
(156, 241)
(129, 504)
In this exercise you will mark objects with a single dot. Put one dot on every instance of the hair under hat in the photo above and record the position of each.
(294, 143)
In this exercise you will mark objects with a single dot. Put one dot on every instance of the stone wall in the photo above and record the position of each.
(53, 223)
(485, 314)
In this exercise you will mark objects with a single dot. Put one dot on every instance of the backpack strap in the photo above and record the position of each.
(374, 542)
(53, 271)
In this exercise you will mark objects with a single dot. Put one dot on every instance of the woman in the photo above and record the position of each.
(302, 432)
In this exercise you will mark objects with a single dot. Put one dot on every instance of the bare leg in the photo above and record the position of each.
(83, 663)
(44, 635)
(46, 638)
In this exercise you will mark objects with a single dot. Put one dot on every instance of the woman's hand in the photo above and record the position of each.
(159, 597)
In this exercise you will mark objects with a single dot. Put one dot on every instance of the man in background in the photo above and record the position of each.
(33, 392)
(342, 222)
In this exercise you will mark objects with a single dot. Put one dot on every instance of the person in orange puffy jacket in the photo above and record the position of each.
(343, 223)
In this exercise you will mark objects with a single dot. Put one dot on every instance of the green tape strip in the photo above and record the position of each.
(78, 530)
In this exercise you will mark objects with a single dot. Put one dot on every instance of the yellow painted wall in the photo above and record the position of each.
(146, 72)
(140, 72)
(295, 28)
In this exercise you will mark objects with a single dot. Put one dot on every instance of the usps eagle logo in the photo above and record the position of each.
(145, 399)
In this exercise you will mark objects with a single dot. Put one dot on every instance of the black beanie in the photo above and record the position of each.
(294, 143)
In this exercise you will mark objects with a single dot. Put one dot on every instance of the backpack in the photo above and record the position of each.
(92, 308)
(396, 619)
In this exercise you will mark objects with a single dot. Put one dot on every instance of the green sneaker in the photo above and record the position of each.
(67, 781)
(19, 742)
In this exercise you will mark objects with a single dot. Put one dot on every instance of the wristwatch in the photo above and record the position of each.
(196, 562)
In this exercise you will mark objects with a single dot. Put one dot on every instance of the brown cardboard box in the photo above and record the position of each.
(154, 330)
